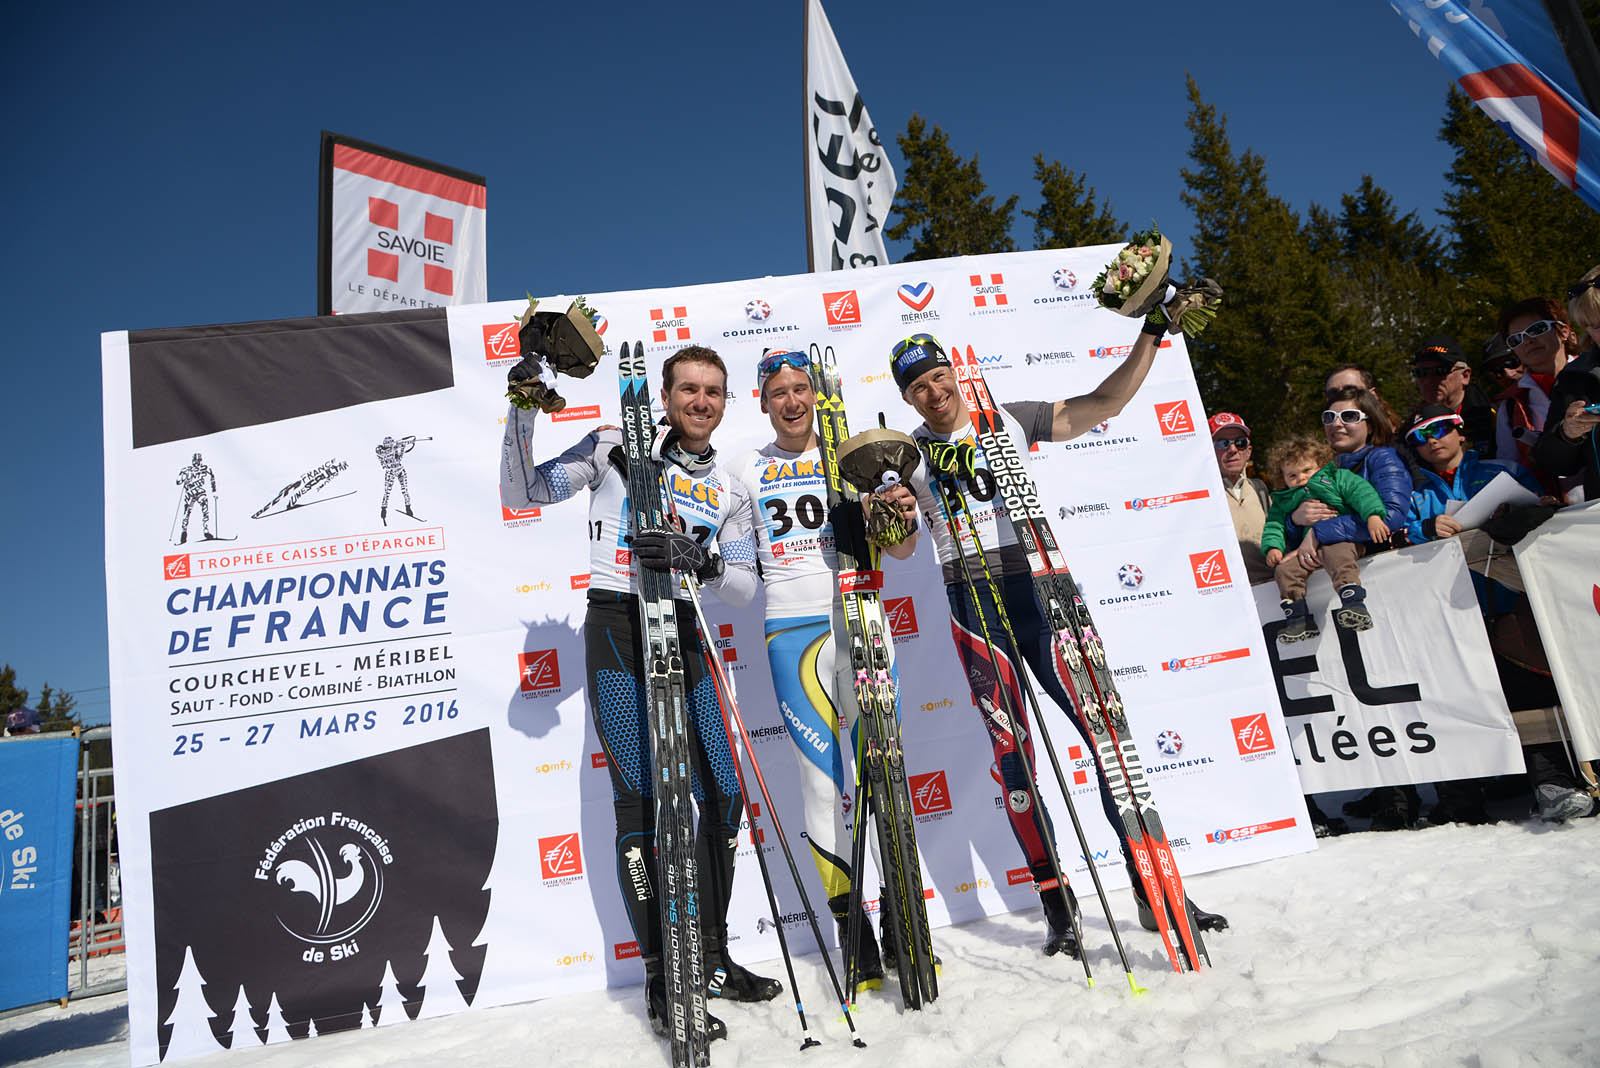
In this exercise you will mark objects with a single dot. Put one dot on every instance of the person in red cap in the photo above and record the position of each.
(1247, 497)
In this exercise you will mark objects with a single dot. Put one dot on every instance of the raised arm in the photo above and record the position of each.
(526, 484)
(1075, 415)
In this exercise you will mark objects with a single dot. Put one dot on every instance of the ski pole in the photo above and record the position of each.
(1052, 853)
(730, 710)
(172, 529)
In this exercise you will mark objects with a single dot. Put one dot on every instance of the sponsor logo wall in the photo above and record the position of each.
(340, 597)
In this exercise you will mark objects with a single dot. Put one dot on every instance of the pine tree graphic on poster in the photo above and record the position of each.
(311, 1027)
(366, 1017)
(491, 974)
(191, 1033)
(277, 1030)
(391, 1007)
(243, 1028)
(441, 996)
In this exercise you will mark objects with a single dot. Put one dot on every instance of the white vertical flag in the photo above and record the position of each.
(849, 181)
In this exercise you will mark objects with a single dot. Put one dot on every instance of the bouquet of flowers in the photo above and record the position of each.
(1135, 284)
(552, 343)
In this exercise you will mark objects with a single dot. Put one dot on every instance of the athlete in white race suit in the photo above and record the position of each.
(787, 488)
(714, 541)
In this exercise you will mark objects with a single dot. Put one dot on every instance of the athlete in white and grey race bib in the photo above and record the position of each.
(815, 690)
(922, 370)
(717, 543)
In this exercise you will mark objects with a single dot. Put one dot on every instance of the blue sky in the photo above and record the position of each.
(162, 169)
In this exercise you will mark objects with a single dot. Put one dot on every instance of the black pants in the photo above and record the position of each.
(611, 639)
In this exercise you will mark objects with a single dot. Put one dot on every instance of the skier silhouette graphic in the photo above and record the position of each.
(194, 480)
(389, 453)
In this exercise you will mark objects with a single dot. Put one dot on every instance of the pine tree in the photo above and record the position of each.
(941, 202)
(1068, 216)
(1515, 232)
(191, 1033)
(390, 1006)
(56, 710)
(440, 996)
(1267, 353)
(11, 698)
(243, 1027)
(1390, 284)
(277, 1029)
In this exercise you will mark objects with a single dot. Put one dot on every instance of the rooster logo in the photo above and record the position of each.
(319, 916)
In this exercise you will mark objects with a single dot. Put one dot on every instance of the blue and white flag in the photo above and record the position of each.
(1505, 56)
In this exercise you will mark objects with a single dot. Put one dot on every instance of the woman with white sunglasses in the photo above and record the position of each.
(1536, 330)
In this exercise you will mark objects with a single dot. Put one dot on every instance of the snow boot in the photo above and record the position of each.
(734, 982)
(183, 537)
(868, 965)
(656, 1010)
(1300, 627)
(1558, 803)
(1205, 921)
(1059, 909)
(1352, 612)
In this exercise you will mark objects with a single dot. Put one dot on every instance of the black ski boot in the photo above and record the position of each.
(1058, 912)
(183, 537)
(868, 965)
(891, 939)
(1352, 612)
(1205, 921)
(383, 514)
(655, 1007)
(734, 982)
(1301, 627)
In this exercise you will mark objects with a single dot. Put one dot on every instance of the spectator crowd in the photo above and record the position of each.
(1373, 481)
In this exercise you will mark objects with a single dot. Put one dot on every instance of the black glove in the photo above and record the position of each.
(958, 458)
(667, 550)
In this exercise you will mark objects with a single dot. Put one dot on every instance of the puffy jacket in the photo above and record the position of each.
(1433, 494)
(1345, 491)
(1381, 466)
(1579, 380)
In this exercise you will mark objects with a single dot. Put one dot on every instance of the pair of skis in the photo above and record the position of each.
(682, 955)
(880, 762)
(1080, 665)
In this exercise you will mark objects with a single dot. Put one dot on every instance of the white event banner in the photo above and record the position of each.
(357, 773)
(1415, 699)
(850, 182)
(399, 232)
(1560, 566)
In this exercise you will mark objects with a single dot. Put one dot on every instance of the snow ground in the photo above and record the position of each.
(1454, 945)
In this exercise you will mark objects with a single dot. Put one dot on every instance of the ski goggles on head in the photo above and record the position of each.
(1351, 416)
(1538, 329)
(774, 359)
(914, 356)
(1433, 429)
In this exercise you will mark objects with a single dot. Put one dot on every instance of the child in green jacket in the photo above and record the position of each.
(1305, 467)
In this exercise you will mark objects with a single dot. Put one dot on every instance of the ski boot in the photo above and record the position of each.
(383, 515)
(734, 982)
(1352, 612)
(656, 1010)
(868, 965)
(1301, 627)
(183, 537)
(891, 940)
(1059, 909)
(1205, 921)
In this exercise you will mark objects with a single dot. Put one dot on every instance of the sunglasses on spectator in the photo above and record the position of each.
(1433, 370)
(1504, 363)
(1347, 415)
(1434, 429)
(1538, 329)
(1238, 441)
(772, 361)
(1577, 289)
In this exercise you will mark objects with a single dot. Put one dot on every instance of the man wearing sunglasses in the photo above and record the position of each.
(1444, 377)
(1247, 497)
(1569, 444)
(926, 378)
(787, 488)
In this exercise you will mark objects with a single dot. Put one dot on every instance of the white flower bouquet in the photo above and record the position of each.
(1135, 284)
